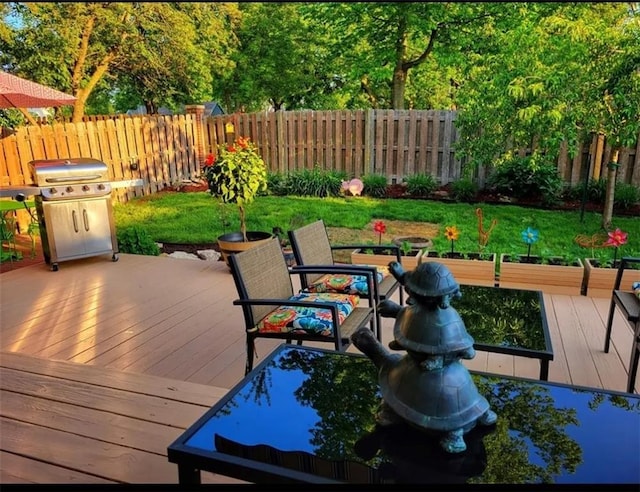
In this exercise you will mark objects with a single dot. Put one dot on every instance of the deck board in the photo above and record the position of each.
(85, 424)
(156, 335)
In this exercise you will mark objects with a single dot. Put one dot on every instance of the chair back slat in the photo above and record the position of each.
(311, 246)
(261, 273)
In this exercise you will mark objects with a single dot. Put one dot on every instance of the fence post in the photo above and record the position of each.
(197, 110)
(369, 129)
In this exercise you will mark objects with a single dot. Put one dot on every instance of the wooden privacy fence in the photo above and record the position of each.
(159, 151)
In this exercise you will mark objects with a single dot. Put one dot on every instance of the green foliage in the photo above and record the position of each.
(531, 177)
(237, 176)
(626, 195)
(597, 190)
(136, 240)
(156, 53)
(420, 184)
(277, 184)
(315, 182)
(11, 118)
(375, 185)
(463, 190)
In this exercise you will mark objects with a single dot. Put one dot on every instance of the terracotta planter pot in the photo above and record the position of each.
(467, 271)
(599, 280)
(360, 257)
(233, 242)
(551, 279)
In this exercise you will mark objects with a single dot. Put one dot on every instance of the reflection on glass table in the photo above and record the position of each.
(507, 321)
(308, 415)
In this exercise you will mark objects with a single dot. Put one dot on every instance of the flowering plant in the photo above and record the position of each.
(236, 175)
(452, 234)
(616, 239)
(379, 227)
(529, 236)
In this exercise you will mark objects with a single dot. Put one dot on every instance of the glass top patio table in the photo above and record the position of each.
(507, 321)
(308, 415)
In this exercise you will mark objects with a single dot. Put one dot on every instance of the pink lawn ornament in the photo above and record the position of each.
(354, 186)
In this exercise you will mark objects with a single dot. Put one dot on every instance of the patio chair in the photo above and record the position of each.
(311, 246)
(629, 304)
(272, 310)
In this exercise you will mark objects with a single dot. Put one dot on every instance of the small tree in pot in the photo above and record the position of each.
(237, 175)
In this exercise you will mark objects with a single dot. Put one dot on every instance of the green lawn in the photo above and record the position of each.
(199, 218)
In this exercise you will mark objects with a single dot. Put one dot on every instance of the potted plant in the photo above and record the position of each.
(381, 254)
(601, 268)
(478, 268)
(550, 274)
(236, 176)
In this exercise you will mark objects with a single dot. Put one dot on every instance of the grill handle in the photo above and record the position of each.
(75, 221)
(75, 178)
(85, 218)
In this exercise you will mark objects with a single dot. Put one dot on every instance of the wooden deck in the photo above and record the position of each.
(164, 342)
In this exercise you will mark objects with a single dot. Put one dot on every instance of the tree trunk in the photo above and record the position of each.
(607, 213)
(243, 224)
(399, 83)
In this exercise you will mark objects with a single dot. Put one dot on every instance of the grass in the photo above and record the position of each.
(196, 218)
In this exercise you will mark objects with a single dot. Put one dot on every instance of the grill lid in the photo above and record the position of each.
(68, 171)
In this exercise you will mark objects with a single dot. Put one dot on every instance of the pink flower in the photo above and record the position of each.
(616, 238)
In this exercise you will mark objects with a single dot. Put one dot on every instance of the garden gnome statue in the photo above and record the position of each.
(428, 387)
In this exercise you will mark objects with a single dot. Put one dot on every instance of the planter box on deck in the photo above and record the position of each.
(551, 279)
(409, 262)
(599, 280)
(467, 271)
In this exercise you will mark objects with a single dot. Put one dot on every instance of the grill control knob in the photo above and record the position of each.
(101, 186)
(69, 189)
(53, 191)
(85, 188)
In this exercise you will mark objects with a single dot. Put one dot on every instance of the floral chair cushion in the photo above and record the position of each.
(347, 284)
(312, 321)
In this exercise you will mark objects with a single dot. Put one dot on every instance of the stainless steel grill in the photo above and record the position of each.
(74, 209)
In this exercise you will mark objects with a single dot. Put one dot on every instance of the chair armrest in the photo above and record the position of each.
(370, 272)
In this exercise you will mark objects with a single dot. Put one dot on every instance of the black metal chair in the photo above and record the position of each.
(272, 310)
(629, 304)
(311, 246)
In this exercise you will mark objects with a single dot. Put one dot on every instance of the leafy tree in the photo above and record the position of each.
(164, 53)
(377, 45)
(557, 76)
(281, 62)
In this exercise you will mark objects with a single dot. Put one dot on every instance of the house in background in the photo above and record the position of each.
(211, 108)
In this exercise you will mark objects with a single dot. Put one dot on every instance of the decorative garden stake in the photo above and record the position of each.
(451, 233)
(483, 236)
(380, 228)
(529, 236)
(616, 239)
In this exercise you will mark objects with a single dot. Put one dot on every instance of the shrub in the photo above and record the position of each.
(420, 184)
(277, 184)
(136, 241)
(315, 182)
(626, 195)
(597, 190)
(464, 190)
(532, 177)
(375, 185)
